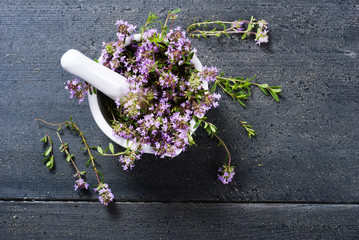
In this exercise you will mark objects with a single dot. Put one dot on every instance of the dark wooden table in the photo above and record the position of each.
(297, 179)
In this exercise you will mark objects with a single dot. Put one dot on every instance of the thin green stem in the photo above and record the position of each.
(229, 154)
(72, 124)
(237, 80)
(51, 145)
(164, 26)
(112, 155)
(212, 33)
(88, 150)
(68, 154)
(51, 124)
(217, 22)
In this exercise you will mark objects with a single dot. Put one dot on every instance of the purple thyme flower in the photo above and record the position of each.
(262, 32)
(167, 80)
(262, 24)
(226, 174)
(237, 25)
(162, 98)
(209, 74)
(77, 89)
(105, 194)
(81, 184)
(261, 36)
(128, 160)
(118, 102)
(124, 29)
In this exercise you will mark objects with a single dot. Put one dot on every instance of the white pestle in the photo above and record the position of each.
(110, 83)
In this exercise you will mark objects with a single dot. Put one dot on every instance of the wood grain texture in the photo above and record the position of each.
(48, 220)
(306, 150)
(298, 179)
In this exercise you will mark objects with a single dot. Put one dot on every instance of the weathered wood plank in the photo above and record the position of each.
(306, 149)
(40, 220)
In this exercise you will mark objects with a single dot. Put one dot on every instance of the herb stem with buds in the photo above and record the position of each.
(73, 125)
(236, 27)
(68, 155)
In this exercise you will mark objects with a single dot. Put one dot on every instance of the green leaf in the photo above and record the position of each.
(276, 89)
(197, 124)
(241, 102)
(214, 87)
(50, 163)
(252, 78)
(274, 95)
(105, 151)
(222, 25)
(99, 149)
(48, 151)
(44, 139)
(264, 91)
(177, 10)
(112, 149)
(263, 85)
(190, 139)
(69, 158)
(88, 162)
(213, 128)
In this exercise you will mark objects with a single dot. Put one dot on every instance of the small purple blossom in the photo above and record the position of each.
(128, 160)
(118, 102)
(124, 29)
(105, 194)
(81, 184)
(262, 32)
(226, 174)
(262, 24)
(77, 89)
(209, 74)
(262, 36)
(237, 25)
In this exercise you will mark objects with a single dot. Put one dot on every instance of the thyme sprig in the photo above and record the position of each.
(69, 157)
(235, 27)
(239, 88)
(72, 125)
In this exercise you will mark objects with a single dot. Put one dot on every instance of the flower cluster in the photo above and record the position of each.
(226, 174)
(262, 32)
(237, 26)
(81, 184)
(105, 194)
(165, 91)
(128, 160)
(77, 89)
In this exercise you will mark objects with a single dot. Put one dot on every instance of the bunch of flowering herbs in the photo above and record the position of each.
(165, 91)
